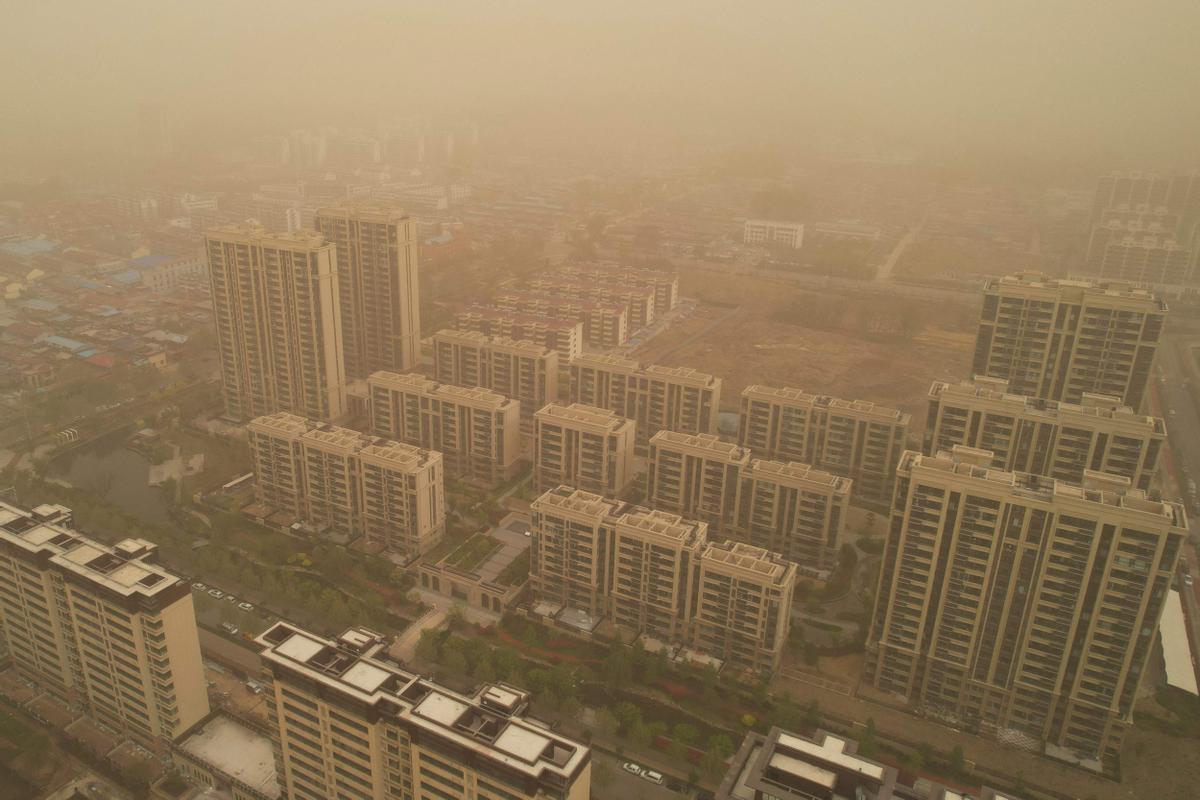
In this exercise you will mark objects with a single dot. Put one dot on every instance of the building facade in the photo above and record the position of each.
(655, 397)
(349, 722)
(477, 431)
(566, 338)
(665, 285)
(105, 629)
(1020, 606)
(696, 476)
(279, 333)
(1059, 339)
(654, 574)
(582, 446)
(524, 371)
(378, 286)
(854, 439)
(345, 483)
(765, 231)
(1044, 437)
(605, 322)
(638, 300)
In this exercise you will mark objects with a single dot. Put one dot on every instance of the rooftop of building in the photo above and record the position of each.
(798, 472)
(748, 558)
(416, 382)
(490, 724)
(581, 414)
(705, 442)
(331, 437)
(663, 525)
(224, 744)
(507, 343)
(1091, 406)
(1075, 288)
(567, 498)
(252, 233)
(514, 317)
(126, 568)
(1097, 488)
(792, 767)
(540, 298)
(862, 408)
(365, 211)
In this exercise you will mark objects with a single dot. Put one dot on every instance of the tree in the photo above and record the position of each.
(677, 750)
(812, 715)
(686, 733)
(484, 671)
(712, 765)
(867, 745)
(639, 735)
(427, 646)
(607, 722)
(958, 761)
(454, 662)
(719, 743)
(617, 669)
(627, 714)
(508, 663)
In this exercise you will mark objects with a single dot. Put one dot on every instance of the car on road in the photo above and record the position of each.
(653, 775)
(217, 593)
(246, 606)
(230, 628)
(1187, 580)
(199, 587)
(631, 768)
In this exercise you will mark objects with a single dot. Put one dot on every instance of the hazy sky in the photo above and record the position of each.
(1114, 79)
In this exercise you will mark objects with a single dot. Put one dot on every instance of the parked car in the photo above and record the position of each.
(245, 606)
(230, 598)
(631, 768)
(217, 593)
(652, 775)
(230, 628)
(199, 587)
(1187, 580)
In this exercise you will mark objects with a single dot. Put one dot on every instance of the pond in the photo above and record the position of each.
(106, 467)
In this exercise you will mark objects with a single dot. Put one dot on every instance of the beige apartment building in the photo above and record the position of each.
(378, 285)
(566, 338)
(346, 483)
(605, 322)
(105, 629)
(1044, 437)
(1021, 606)
(524, 371)
(665, 285)
(794, 510)
(657, 398)
(850, 438)
(477, 431)
(638, 301)
(348, 722)
(787, 508)
(279, 331)
(656, 574)
(1058, 339)
(696, 476)
(582, 446)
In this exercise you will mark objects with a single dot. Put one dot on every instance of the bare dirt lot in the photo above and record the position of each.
(749, 330)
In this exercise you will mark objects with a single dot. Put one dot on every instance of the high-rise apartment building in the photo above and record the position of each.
(346, 483)
(654, 573)
(378, 283)
(1144, 256)
(665, 285)
(279, 333)
(348, 722)
(787, 508)
(696, 476)
(521, 370)
(1057, 339)
(477, 431)
(1021, 606)
(605, 322)
(638, 300)
(1044, 437)
(582, 446)
(655, 397)
(851, 438)
(564, 337)
(1119, 194)
(106, 629)
(794, 510)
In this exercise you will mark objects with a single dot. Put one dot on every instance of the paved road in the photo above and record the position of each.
(625, 786)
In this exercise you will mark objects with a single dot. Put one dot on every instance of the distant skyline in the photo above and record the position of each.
(1070, 80)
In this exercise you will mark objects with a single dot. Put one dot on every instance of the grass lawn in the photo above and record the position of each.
(471, 553)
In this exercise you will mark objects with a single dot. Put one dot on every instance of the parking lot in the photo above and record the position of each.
(626, 786)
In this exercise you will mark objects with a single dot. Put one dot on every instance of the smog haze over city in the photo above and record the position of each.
(793, 400)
